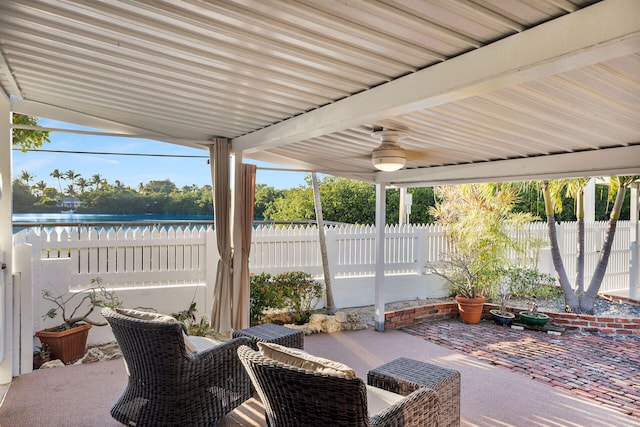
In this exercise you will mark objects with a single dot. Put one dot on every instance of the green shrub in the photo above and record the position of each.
(529, 282)
(264, 295)
(194, 327)
(295, 291)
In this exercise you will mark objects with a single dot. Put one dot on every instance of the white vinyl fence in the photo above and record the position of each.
(164, 256)
(167, 267)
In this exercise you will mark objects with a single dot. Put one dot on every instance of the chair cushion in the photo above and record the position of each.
(145, 315)
(200, 343)
(379, 399)
(301, 359)
(157, 317)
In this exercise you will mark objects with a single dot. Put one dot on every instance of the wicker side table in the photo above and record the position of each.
(404, 376)
(269, 332)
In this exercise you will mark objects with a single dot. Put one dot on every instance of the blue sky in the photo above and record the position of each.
(130, 170)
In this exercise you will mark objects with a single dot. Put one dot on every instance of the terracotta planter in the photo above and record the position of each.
(69, 345)
(470, 309)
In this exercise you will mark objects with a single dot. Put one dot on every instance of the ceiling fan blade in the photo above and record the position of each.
(416, 155)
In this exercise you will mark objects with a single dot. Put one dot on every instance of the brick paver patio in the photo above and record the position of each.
(603, 368)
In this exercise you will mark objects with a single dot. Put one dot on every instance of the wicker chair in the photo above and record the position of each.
(295, 397)
(169, 385)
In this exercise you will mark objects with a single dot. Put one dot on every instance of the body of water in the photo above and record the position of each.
(22, 220)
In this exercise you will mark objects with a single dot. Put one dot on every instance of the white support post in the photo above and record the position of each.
(402, 207)
(590, 201)
(634, 260)
(379, 277)
(6, 235)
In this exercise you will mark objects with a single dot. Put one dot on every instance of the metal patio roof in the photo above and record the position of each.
(484, 89)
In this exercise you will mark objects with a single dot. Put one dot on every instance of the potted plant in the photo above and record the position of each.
(501, 316)
(68, 341)
(478, 222)
(468, 276)
(531, 316)
(41, 355)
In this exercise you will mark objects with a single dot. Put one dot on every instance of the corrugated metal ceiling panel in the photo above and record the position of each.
(194, 70)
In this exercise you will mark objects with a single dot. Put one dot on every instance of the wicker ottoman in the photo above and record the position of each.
(269, 332)
(404, 376)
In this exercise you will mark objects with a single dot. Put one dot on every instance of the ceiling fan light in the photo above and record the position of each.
(388, 164)
(388, 157)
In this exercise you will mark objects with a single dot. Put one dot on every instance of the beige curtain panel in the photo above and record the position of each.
(221, 307)
(248, 189)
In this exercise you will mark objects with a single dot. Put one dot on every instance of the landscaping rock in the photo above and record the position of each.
(52, 364)
(91, 356)
(341, 321)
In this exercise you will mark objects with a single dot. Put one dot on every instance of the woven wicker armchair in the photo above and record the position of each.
(169, 385)
(295, 397)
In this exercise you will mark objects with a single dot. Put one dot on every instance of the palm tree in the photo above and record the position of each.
(576, 300)
(97, 181)
(58, 175)
(40, 186)
(70, 190)
(71, 175)
(331, 307)
(573, 189)
(26, 177)
(82, 184)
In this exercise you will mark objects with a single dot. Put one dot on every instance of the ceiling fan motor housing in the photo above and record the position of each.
(388, 156)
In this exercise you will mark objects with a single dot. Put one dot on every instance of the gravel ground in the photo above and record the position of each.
(602, 307)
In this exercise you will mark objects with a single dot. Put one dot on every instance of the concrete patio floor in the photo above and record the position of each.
(491, 395)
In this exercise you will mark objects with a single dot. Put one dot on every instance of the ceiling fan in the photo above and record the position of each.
(389, 156)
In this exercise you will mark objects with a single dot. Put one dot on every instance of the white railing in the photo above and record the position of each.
(126, 256)
(161, 256)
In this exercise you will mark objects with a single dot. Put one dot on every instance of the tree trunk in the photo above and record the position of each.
(570, 298)
(596, 281)
(580, 246)
(317, 203)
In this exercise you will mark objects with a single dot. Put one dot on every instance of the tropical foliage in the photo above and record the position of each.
(347, 201)
(28, 139)
(479, 221)
(194, 326)
(97, 195)
(524, 282)
(295, 291)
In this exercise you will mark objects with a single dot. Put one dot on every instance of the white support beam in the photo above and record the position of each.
(7, 76)
(402, 208)
(381, 201)
(603, 31)
(6, 245)
(590, 201)
(634, 262)
(265, 156)
(607, 162)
